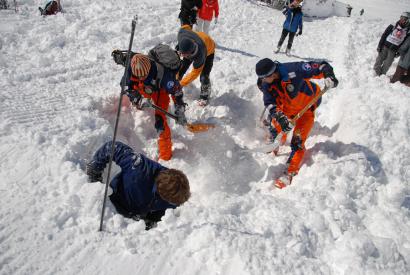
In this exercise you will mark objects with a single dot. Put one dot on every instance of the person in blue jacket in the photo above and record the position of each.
(293, 22)
(287, 89)
(143, 189)
(149, 80)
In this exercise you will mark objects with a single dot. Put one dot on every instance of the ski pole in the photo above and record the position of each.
(123, 83)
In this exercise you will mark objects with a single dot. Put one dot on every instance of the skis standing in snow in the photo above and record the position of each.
(287, 89)
(151, 80)
(206, 13)
(189, 9)
(390, 42)
(196, 48)
(143, 189)
(293, 22)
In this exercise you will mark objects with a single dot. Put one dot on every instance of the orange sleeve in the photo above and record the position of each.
(191, 76)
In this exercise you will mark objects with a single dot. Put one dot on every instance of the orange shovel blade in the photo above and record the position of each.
(199, 127)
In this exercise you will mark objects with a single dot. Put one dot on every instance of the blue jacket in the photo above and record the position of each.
(134, 185)
(294, 20)
(168, 82)
(290, 99)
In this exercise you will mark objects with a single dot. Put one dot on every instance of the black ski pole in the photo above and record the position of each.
(123, 83)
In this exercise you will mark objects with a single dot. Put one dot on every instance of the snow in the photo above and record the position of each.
(346, 212)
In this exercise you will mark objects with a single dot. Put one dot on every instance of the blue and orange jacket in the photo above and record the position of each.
(134, 185)
(291, 99)
(294, 19)
(150, 85)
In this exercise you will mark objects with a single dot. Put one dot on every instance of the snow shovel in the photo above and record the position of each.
(192, 127)
(276, 143)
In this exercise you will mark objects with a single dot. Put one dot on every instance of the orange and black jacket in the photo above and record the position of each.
(206, 47)
(294, 90)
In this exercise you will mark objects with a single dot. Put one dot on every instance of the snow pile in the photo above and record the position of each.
(346, 212)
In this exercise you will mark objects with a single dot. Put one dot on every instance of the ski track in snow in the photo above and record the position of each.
(346, 212)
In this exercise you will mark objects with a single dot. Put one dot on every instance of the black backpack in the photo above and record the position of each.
(164, 56)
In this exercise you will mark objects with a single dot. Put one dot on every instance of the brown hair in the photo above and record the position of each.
(173, 186)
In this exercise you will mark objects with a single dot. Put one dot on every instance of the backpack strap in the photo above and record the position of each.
(160, 74)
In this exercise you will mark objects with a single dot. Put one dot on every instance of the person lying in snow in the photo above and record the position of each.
(51, 8)
(287, 89)
(143, 189)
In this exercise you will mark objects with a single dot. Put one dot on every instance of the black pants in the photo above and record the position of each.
(187, 18)
(283, 36)
(206, 71)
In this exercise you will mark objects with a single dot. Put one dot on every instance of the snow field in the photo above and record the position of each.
(346, 212)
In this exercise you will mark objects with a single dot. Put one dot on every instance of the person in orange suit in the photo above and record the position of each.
(287, 89)
(145, 83)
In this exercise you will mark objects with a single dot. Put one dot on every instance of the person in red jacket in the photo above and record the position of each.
(205, 15)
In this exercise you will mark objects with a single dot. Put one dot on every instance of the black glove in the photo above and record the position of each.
(379, 50)
(330, 78)
(138, 100)
(299, 33)
(93, 174)
(283, 121)
(180, 113)
(120, 57)
(134, 96)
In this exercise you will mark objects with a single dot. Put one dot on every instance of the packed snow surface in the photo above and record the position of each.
(347, 212)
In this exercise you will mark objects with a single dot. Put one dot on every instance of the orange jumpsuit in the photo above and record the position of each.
(290, 95)
(159, 94)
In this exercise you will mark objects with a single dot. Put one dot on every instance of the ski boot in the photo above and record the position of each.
(277, 49)
(204, 95)
(283, 181)
(287, 52)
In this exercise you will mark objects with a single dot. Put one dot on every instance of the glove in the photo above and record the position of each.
(397, 54)
(137, 100)
(379, 50)
(331, 82)
(330, 78)
(92, 173)
(216, 20)
(180, 113)
(283, 121)
(299, 33)
(120, 57)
